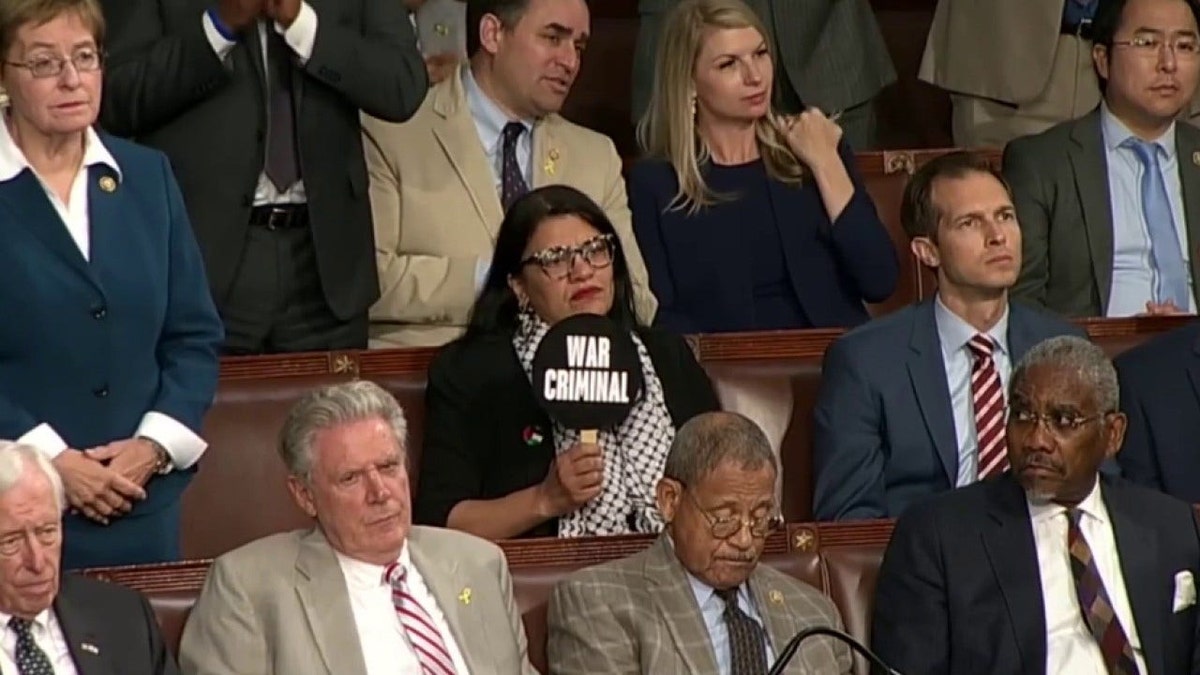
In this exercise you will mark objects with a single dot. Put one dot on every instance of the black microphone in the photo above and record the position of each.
(789, 650)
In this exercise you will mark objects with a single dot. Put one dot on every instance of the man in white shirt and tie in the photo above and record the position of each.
(1052, 567)
(364, 592)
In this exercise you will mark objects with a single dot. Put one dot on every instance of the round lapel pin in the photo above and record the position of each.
(108, 184)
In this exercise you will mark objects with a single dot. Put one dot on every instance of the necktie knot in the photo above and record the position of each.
(22, 627)
(981, 346)
(394, 574)
(512, 133)
(727, 595)
(1146, 151)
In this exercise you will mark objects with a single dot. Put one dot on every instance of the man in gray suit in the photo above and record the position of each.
(829, 54)
(697, 601)
(1109, 204)
(912, 404)
(364, 592)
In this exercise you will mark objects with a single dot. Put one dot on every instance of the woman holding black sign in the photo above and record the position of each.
(494, 463)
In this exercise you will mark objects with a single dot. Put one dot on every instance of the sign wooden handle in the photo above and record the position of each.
(588, 436)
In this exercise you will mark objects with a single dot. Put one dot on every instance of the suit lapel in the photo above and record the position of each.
(325, 600)
(927, 370)
(1021, 336)
(548, 160)
(88, 652)
(107, 221)
(1187, 148)
(450, 588)
(780, 623)
(30, 207)
(456, 133)
(1008, 541)
(1090, 167)
(1193, 369)
(1137, 548)
(676, 604)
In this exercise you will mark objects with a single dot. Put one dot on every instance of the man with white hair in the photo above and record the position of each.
(363, 592)
(61, 625)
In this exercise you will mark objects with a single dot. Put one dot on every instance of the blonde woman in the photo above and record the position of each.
(748, 220)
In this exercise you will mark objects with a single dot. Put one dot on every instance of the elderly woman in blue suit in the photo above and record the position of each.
(108, 346)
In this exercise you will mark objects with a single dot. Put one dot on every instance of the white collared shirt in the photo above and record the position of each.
(954, 333)
(49, 638)
(184, 446)
(1070, 647)
(385, 646)
(490, 121)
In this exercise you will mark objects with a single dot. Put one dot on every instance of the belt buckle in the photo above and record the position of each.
(278, 218)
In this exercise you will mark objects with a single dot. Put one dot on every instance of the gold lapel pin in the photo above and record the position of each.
(465, 596)
(90, 648)
(776, 597)
(551, 162)
(1196, 158)
(108, 184)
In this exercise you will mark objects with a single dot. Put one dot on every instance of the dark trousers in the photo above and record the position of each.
(276, 304)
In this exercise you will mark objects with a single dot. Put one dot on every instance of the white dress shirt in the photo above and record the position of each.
(954, 334)
(180, 442)
(300, 36)
(1070, 647)
(385, 646)
(49, 638)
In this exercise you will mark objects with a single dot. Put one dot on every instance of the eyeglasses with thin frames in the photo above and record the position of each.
(1151, 46)
(724, 528)
(41, 66)
(1058, 423)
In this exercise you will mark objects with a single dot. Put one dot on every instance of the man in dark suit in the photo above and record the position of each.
(1160, 395)
(1109, 203)
(257, 104)
(55, 623)
(911, 404)
(818, 44)
(1051, 568)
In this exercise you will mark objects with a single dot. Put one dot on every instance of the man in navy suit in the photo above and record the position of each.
(905, 399)
(1052, 567)
(1160, 394)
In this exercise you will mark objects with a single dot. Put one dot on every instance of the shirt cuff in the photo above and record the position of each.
(220, 44)
(302, 34)
(180, 442)
(482, 267)
(45, 439)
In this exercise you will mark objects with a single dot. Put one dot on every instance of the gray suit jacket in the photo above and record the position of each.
(280, 606)
(639, 615)
(831, 53)
(1059, 180)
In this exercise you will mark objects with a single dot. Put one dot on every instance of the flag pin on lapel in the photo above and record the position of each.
(776, 597)
(108, 184)
(89, 648)
(465, 596)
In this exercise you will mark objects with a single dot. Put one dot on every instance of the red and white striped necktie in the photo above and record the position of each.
(423, 635)
(987, 394)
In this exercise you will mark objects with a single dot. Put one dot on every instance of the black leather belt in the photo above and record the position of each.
(1083, 29)
(279, 216)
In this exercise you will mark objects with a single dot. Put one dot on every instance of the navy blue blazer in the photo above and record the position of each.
(1160, 393)
(701, 268)
(959, 590)
(90, 347)
(884, 426)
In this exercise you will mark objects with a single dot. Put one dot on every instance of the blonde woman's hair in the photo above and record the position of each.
(668, 128)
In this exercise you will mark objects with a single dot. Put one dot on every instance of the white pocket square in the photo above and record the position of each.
(1185, 591)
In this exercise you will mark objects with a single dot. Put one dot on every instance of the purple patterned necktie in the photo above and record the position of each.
(512, 181)
(1097, 609)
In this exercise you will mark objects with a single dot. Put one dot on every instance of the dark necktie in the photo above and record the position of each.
(1097, 609)
(512, 180)
(747, 644)
(283, 162)
(31, 660)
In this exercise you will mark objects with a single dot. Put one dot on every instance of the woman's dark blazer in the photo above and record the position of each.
(480, 407)
(702, 269)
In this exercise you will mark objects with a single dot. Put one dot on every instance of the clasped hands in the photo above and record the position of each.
(104, 482)
(241, 14)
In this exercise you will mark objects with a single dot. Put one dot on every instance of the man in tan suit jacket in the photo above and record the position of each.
(327, 601)
(670, 609)
(435, 183)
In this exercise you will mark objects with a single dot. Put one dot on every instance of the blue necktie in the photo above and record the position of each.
(1165, 254)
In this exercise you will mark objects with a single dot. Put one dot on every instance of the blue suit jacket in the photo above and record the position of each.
(959, 589)
(1160, 393)
(701, 269)
(884, 432)
(90, 347)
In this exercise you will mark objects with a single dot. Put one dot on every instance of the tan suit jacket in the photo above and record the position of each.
(639, 615)
(437, 211)
(279, 606)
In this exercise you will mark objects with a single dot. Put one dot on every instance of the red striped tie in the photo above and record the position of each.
(987, 394)
(423, 635)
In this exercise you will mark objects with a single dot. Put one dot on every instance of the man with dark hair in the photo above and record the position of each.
(1109, 204)
(1053, 567)
(912, 404)
(697, 600)
(490, 132)
(256, 103)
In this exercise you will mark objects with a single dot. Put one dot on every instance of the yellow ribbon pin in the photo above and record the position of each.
(465, 596)
(551, 162)
(776, 597)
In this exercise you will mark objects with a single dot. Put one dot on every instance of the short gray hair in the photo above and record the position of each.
(15, 458)
(333, 406)
(710, 439)
(1083, 358)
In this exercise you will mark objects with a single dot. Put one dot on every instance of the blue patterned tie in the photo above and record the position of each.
(512, 182)
(31, 660)
(1165, 254)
